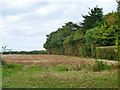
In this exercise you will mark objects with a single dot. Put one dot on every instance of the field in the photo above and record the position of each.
(56, 71)
(48, 60)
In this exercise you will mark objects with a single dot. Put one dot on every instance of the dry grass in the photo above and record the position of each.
(48, 60)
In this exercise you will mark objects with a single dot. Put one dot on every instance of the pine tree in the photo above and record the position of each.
(90, 21)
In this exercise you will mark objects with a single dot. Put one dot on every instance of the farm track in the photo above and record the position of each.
(48, 60)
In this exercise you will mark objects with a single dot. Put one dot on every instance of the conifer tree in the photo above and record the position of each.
(90, 21)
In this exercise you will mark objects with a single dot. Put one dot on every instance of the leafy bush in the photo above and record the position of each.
(93, 36)
(99, 66)
(106, 52)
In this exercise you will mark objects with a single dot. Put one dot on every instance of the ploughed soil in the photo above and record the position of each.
(48, 60)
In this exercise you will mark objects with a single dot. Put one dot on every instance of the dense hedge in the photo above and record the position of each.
(77, 49)
(106, 52)
(56, 51)
(81, 49)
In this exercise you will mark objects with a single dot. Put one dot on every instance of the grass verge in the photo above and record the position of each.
(19, 76)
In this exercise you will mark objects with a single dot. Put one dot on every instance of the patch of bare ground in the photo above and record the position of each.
(49, 60)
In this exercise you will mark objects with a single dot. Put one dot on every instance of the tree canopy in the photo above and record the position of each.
(96, 29)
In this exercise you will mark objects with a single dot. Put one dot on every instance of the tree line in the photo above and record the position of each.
(26, 52)
(95, 30)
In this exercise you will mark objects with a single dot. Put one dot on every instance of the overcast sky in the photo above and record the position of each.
(25, 23)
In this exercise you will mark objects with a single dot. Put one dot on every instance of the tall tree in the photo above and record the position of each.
(90, 21)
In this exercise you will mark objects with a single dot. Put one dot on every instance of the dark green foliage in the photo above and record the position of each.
(56, 39)
(93, 51)
(5, 53)
(75, 37)
(95, 15)
(99, 66)
(56, 51)
(106, 53)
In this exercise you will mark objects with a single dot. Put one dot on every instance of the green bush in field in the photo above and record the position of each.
(99, 66)
(106, 53)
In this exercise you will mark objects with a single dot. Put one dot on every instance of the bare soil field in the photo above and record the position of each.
(48, 60)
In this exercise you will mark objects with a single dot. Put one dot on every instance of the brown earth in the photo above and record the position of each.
(48, 60)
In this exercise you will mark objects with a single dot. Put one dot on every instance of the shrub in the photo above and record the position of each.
(99, 66)
(106, 52)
